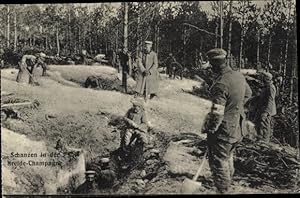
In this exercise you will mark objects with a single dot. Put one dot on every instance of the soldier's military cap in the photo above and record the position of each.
(90, 172)
(216, 53)
(104, 160)
(267, 75)
(42, 55)
(149, 42)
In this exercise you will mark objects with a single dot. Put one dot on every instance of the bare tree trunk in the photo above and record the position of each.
(157, 42)
(241, 49)
(281, 54)
(126, 25)
(57, 40)
(269, 51)
(106, 47)
(117, 38)
(216, 33)
(184, 47)
(84, 36)
(8, 27)
(229, 33)
(156, 38)
(138, 32)
(15, 27)
(294, 64)
(79, 40)
(258, 50)
(90, 37)
(286, 45)
(221, 24)
(46, 43)
(69, 30)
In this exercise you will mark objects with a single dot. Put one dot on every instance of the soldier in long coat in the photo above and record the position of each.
(147, 81)
(225, 124)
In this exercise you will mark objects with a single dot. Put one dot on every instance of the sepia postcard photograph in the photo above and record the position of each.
(149, 98)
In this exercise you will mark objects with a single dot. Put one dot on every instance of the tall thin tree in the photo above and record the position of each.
(230, 33)
(8, 27)
(15, 28)
(221, 24)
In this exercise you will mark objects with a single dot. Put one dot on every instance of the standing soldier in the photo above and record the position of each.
(171, 59)
(224, 124)
(147, 82)
(267, 108)
(84, 57)
(125, 61)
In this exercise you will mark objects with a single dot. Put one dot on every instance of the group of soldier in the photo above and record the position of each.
(28, 64)
(224, 124)
(145, 70)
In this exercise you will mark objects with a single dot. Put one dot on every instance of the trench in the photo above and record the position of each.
(109, 84)
(93, 133)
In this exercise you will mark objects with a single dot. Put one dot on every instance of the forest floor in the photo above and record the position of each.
(80, 117)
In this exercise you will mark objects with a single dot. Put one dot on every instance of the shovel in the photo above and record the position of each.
(190, 186)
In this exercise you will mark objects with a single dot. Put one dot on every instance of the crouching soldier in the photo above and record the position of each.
(90, 185)
(177, 70)
(136, 133)
(27, 66)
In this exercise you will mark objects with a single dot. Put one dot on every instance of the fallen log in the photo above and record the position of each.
(17, 104)
(4, 93)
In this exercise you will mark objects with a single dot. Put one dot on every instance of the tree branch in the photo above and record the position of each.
(201, 30)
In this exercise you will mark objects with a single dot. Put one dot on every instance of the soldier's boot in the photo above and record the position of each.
(44, 73)
(218, 158)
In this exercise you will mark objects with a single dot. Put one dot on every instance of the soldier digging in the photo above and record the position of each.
(28, 64)
(224, 125)
(267, 108)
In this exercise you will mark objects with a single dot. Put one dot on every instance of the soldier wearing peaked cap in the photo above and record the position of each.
(147, 81)
(267, 108)
(225, 123)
